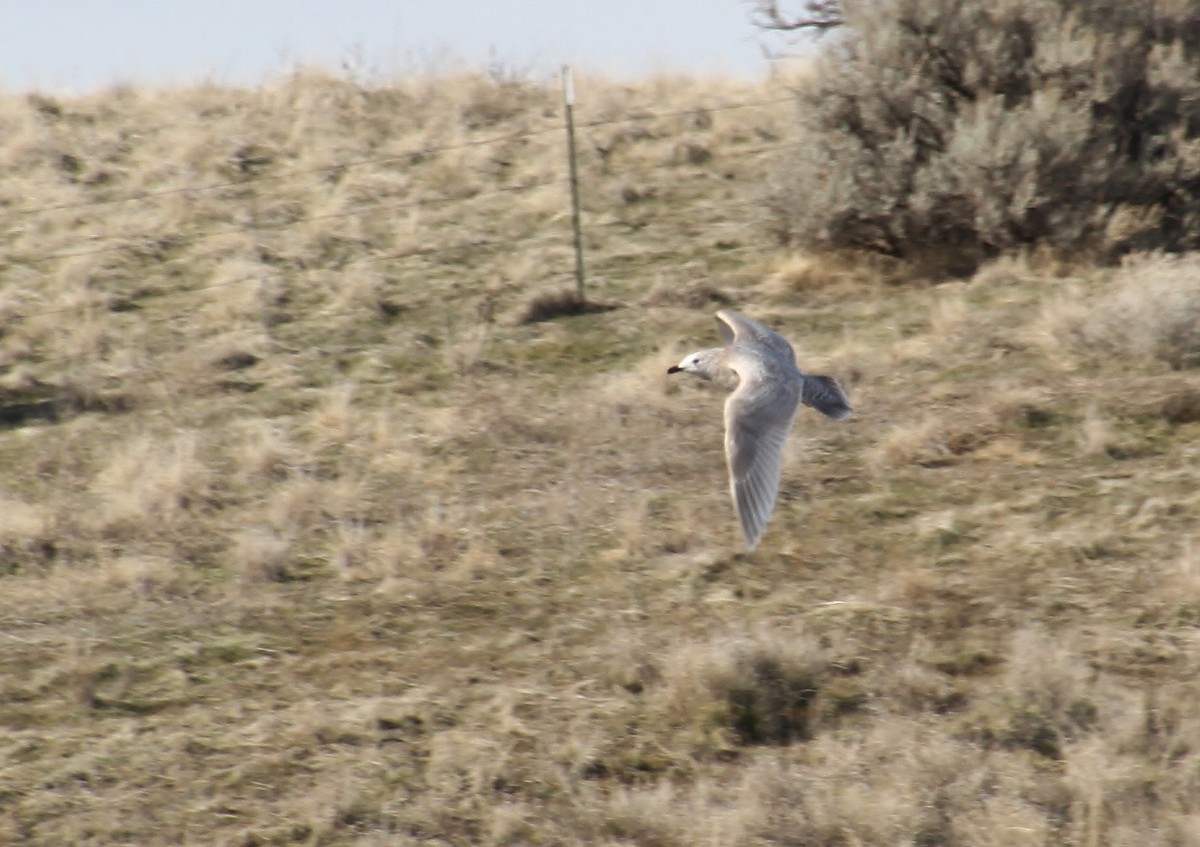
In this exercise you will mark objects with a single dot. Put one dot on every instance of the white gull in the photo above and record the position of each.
(760, 365)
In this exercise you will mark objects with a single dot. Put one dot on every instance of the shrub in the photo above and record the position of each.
(1150, 311)
(976, 126)
(758, 690)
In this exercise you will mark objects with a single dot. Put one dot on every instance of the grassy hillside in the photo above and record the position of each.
(313, 532)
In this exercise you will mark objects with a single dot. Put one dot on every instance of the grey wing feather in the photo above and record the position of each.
(758, 418)
(736, 328)
(826, 395)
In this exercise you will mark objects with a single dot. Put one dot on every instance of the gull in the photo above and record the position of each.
(768, 389)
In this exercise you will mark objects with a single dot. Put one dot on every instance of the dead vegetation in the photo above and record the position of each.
(1151, 312)
(304, 542)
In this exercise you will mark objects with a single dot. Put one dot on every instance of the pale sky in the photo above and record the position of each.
(79, 45)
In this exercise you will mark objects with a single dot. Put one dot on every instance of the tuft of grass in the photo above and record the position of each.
(150, 479)
(548, 305)
(745, 691)
(1150, 311)
(27, 534)
(800, 275)
(1096, 436)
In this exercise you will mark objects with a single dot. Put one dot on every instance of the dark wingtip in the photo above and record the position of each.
(839, 412)
(826, 395)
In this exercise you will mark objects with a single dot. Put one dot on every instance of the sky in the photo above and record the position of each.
(82, 45)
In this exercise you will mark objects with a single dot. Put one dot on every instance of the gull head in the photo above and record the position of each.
(702, 363)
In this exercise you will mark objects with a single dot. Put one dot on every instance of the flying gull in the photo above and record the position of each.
(760, 365)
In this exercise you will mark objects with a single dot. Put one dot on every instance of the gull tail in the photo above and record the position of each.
(826, 395)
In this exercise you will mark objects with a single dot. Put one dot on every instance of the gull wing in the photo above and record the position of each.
(758, 418)
(736, 328)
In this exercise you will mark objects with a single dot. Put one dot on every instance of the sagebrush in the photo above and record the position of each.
(969, 128)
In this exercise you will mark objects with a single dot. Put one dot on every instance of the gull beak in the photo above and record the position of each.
(674, 369)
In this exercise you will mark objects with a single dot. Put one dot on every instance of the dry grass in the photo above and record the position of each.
(1151, 311)
(309, 540)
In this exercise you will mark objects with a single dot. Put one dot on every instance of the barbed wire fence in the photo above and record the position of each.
(123, 243)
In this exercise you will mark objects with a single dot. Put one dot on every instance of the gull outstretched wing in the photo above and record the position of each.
(736, 328)
(758, 418)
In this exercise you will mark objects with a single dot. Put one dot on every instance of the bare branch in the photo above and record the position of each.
(816, 14)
